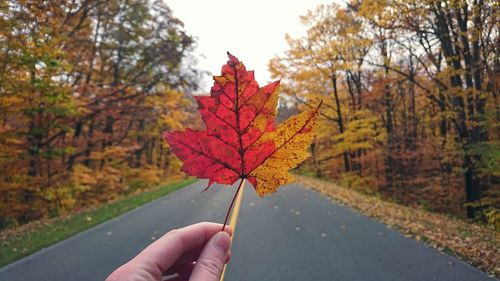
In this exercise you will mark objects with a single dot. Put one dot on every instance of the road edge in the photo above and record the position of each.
(97, 226)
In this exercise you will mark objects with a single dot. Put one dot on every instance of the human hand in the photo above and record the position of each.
(196, 253)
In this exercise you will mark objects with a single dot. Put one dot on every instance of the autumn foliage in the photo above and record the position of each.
(86, 88)
(410, 91)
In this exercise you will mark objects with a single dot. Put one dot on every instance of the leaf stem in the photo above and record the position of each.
(232, 202)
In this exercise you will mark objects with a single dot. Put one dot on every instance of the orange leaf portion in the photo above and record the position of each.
(241, 140)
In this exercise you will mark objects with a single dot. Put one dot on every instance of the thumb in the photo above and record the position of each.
(212, 259)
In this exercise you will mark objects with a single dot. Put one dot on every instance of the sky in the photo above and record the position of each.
(252, 30)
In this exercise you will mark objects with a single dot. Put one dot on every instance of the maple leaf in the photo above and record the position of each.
(241, 140)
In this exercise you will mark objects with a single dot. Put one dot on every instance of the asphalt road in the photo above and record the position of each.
(295, 234)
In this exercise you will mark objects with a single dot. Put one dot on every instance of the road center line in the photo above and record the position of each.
(234, 219)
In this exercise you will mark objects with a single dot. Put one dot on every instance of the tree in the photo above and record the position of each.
(459, 39)
(84, 90)
(315, 66)
(409, 96)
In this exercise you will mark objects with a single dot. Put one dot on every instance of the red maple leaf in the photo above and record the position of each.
(241, 139)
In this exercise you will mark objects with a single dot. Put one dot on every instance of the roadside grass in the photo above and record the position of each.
(25, 240)
(472, 242)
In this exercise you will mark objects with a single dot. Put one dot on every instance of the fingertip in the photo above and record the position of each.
(222, 242)
(229, 230)
(211, 262)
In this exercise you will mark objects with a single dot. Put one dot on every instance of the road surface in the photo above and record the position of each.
(295, 234)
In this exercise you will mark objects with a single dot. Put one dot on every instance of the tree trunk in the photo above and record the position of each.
(340, 120)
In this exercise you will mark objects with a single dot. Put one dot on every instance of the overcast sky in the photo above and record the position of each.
(252, 30)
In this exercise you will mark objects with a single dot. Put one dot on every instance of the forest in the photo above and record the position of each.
(411, 107)
(86, 88)
(409, 88)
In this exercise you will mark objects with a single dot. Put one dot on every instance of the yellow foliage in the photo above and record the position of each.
(112, 152)
(83, 176)
(363, 132)
(291, 140)
(493, 218)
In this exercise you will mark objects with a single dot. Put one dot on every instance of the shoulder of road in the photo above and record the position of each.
(476, 244)
(19, 242)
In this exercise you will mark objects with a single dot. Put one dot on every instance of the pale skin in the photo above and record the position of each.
(194, 253)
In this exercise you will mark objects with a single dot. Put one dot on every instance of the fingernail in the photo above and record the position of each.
(222, 242)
